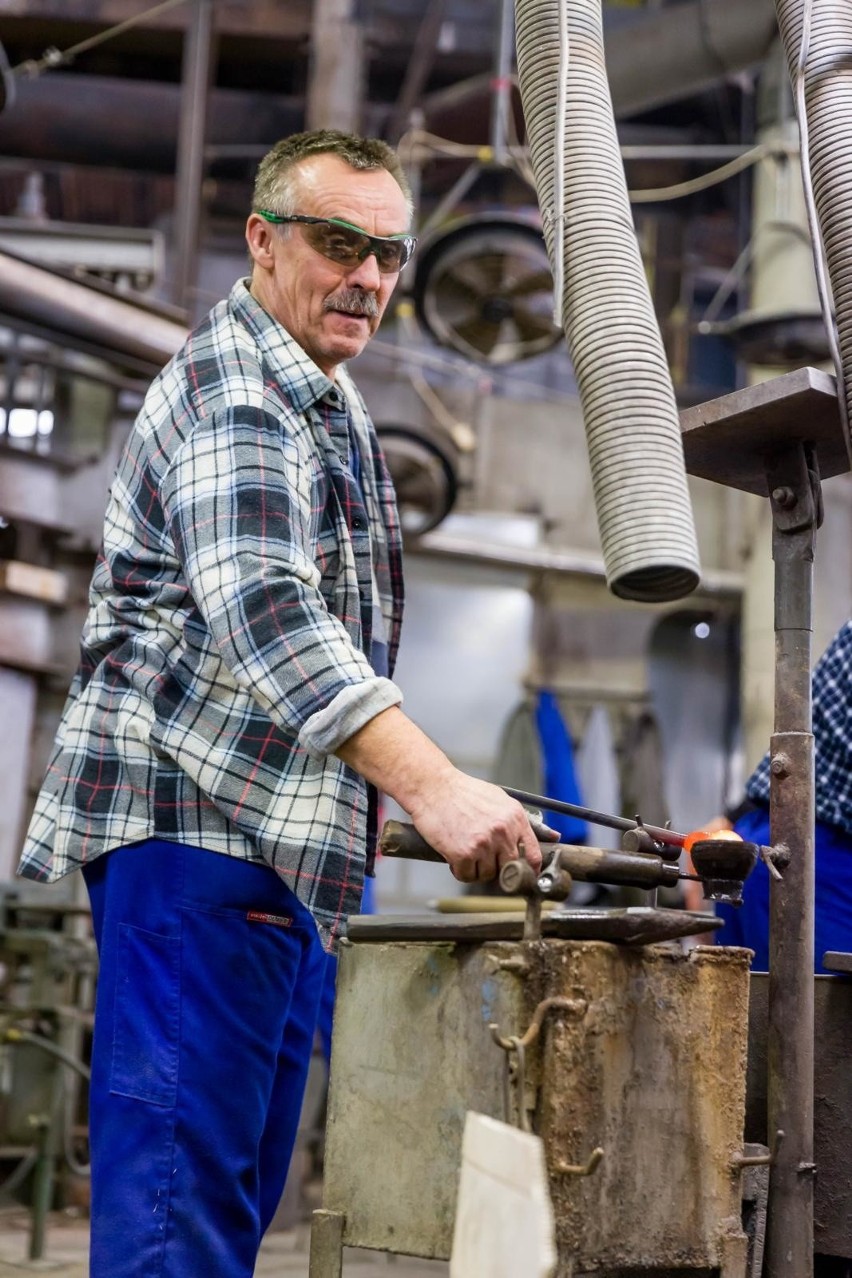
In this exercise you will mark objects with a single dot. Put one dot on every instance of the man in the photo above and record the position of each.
(210, 773)
(832, 727)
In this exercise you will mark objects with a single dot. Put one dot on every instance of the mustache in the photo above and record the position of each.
(353, 300)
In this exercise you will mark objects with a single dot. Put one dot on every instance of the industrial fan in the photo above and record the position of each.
(484, 289)
(424, 476)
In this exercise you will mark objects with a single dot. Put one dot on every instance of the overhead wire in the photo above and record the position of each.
(433, 145)
(52, 58)
(679, 190)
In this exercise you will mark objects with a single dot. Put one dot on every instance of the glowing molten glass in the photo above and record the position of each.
(699, 836)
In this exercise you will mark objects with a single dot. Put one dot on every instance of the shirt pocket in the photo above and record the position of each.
(147, 1016)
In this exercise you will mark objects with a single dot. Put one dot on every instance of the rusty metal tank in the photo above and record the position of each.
(635, 1050)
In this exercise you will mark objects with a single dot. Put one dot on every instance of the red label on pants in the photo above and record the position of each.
(277, 920)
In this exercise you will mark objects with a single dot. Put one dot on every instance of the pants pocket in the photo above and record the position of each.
(147, 1016)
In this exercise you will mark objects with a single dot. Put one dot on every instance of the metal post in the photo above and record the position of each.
(794, 497)
(335, 90)
(197, 64)
(501, 100)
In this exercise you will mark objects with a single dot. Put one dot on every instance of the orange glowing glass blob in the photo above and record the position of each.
(699, 836)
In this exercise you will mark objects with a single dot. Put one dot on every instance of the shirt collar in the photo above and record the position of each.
(306, 383)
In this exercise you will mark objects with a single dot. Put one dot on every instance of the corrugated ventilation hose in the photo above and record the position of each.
(635, 451)
(818, 43)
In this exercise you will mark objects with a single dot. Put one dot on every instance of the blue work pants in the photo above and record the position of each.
(749, 924)
(210, 977)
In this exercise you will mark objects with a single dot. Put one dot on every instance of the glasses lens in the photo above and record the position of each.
(337, 243)
(391, 255)
(348, 247)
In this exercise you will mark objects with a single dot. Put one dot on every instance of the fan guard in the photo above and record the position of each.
(423, 474)
(484, 288)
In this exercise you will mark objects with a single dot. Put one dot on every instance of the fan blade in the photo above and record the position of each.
(532, 327)
(537, 282)
(482, 273)
(456, 297)
(481, 334)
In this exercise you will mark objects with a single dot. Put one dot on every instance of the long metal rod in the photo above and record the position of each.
(658, 832)
(790, 1220)
(197, 65)
(501, 100)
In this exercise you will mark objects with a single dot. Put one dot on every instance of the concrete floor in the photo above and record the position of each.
(284, 1254)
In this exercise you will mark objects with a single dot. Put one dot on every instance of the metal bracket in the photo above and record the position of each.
(775, 859)
(793, 485)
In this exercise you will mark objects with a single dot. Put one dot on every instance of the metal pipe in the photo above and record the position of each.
(699, 151)
(501, 89)
(335, 91)
(684, 48)
(545, 559)
(71, 309)
(790, 1223)
(197, 66)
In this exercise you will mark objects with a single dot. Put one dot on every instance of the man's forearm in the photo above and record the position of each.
(474, 825)
(397, 757)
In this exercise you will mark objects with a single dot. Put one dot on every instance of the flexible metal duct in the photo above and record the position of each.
(818, 44)
(631, 420)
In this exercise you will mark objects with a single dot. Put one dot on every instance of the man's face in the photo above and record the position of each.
(331, 310)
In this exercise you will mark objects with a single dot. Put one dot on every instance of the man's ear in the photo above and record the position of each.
(259, 239)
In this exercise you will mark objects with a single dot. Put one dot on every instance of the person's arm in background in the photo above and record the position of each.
(474, 825)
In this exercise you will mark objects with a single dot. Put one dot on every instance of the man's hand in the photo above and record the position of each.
(476, 827)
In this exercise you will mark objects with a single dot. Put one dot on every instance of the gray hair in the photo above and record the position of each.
(274, 188)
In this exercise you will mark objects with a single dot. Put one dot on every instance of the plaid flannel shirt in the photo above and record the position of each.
(222, 660)
(831, 684)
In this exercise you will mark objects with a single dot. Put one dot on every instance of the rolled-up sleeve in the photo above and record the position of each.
(237, 504)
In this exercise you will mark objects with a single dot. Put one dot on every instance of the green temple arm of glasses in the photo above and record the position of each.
(335, 221)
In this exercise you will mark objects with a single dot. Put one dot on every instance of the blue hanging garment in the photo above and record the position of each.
(560, 776)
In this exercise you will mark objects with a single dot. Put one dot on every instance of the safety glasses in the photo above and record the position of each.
(348, 245)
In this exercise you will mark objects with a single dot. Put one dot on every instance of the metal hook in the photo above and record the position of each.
(581, 1169)
(576, 1005)
(758, 1160)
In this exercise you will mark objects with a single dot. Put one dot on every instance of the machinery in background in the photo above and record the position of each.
(48, 963)
(483, 288)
